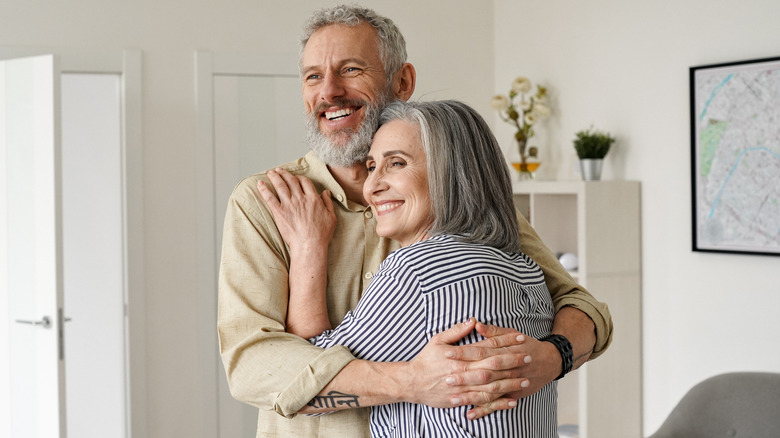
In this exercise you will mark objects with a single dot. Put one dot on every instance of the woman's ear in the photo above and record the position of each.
(404, 81)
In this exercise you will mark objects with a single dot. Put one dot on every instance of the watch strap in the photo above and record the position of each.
(564, 347)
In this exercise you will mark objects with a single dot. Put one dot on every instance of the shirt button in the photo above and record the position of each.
(369, 215)
(369, 275)
(340, 198)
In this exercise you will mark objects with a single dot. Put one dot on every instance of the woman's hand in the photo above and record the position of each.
(303, 216)
(306, 220)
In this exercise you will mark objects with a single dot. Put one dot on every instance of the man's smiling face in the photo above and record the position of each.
(342, 76)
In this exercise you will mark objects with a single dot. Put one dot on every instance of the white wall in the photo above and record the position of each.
(450, 42)
(623, 66)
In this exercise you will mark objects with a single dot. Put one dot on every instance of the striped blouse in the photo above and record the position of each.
(427, 287)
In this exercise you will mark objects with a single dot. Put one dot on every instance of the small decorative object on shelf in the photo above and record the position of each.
(523, 115)
(592, 146)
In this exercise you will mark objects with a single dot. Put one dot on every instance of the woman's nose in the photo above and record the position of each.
(375, 183)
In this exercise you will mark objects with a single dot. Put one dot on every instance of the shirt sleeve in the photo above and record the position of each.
(265, 366)
(386, 325)
(564, 290)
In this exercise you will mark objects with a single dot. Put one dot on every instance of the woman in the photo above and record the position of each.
(438, 184)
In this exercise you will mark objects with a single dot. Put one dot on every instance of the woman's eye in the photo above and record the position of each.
(370, 168)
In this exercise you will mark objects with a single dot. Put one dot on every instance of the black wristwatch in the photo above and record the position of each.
(564, 347)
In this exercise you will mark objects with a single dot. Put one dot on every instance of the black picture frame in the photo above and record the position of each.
(735, 156)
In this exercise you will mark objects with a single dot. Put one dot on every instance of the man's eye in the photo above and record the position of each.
(370, 168)
(398, 163)
(351, 70)
(313, 77)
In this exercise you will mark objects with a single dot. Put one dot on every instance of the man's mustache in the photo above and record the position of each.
(323, 106)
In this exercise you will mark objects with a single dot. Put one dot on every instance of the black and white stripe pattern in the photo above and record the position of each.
(425, 288)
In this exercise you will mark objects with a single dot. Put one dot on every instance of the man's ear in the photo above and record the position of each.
(403, 83)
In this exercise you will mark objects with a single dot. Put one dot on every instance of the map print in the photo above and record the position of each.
(736, 118)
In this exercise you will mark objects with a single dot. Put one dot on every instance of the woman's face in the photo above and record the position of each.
(397, 184)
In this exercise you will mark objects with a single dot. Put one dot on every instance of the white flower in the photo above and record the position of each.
(499, 102)
(521, 85)
(525, 105)
(541, 110)
(530, 118)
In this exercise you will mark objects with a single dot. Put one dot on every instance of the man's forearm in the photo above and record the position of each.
(579, 329)
(432, 378)
(360, 384)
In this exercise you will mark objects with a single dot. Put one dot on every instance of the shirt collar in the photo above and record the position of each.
(319, 172)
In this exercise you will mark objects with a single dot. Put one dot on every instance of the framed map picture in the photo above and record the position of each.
(735, 156)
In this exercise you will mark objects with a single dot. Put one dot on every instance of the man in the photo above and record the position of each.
(352, 62)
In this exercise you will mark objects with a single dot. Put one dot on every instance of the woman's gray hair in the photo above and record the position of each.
(391, 43)
(468, 178)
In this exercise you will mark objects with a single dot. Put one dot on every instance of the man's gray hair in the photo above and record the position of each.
(391, 43)
(468, 178)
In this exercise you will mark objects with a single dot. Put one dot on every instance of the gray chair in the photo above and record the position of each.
(727, 405)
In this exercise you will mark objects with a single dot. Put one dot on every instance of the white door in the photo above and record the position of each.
(93, 248)
(31, 279)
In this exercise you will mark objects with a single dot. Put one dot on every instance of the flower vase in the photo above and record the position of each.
(524, 163)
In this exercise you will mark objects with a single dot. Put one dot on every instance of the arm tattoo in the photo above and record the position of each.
(334, 400)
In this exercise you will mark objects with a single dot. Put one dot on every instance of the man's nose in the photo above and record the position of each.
(332, 88)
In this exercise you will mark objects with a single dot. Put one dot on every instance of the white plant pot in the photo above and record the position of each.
(591, 168)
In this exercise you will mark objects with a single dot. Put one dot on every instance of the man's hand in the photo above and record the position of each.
(506, 355)
(542, 369)
(438, 377)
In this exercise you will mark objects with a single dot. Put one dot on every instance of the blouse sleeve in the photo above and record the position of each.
(388, 323)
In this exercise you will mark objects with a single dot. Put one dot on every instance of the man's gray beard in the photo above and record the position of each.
(354, 149)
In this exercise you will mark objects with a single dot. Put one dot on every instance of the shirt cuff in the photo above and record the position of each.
(598, 313)
(311, 380)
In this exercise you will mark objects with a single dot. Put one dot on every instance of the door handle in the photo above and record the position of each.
(45, 322)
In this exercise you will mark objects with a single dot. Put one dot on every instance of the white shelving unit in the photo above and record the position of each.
(599, 221)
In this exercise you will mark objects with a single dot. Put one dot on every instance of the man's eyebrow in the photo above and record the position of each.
(342, 62)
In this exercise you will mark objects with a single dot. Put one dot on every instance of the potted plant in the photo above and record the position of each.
(592, 146)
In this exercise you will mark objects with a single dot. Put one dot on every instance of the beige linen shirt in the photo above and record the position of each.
(278, 372)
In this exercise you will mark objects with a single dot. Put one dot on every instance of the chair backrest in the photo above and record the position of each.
(727, 405)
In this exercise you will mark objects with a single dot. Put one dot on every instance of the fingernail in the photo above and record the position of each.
(520, 338)
(512, 403)
(450, 380)
(449, 354)
(527, 359)
(455, 401)
(525, 384)
(472, 415)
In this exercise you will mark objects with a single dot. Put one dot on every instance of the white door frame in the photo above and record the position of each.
(207, 66)
(126, 64)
